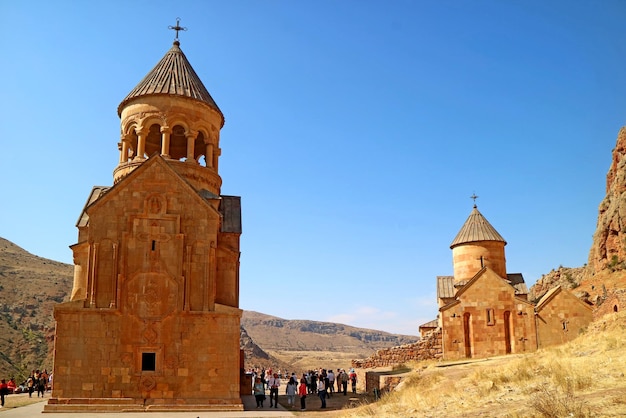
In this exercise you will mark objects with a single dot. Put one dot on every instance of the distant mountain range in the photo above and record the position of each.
(304, 345)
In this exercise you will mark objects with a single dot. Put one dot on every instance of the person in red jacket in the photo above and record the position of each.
(4, 390)
(302, 391)
(353, 380)
(11, 386)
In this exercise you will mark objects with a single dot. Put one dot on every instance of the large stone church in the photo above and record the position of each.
(484, 310)
(154, 319)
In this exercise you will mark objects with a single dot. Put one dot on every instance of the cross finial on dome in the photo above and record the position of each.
(177, 28)
(474, 197)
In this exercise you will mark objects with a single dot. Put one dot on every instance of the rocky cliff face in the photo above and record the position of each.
(608, 251)
(606, 269)
(566, 277)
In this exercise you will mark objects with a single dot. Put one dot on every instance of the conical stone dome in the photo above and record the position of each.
(173, 76)
(475, 229)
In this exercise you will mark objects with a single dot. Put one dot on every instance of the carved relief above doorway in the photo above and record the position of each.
(151, 296)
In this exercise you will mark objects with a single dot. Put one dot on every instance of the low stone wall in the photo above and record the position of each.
(375, 381)
(372, 381)
(427, 348)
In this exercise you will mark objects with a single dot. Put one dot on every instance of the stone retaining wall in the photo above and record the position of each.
(427, 348)
(380, 382)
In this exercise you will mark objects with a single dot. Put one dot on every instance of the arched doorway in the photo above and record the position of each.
(467, 333)
(507, 331)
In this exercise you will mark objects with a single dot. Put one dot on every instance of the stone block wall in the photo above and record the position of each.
(487, 319)
(381, 382)
(372, 381)
(562, 318)
(99, 355)
(389, 383)
(427, 348)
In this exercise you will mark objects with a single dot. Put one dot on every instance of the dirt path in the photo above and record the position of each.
(336, 402)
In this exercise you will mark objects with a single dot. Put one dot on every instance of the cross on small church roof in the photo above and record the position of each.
(474, 197)
(177, 28)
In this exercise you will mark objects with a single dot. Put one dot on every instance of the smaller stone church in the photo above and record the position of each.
(484, 310)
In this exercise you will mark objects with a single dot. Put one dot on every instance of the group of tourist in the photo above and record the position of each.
(319, 382)
(38, 381)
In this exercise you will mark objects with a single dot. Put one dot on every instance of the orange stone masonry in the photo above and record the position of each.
(560, 317)
(487, 320)
(428, 347)
(153, 323)
(469, 259)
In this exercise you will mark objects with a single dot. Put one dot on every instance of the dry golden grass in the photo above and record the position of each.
(579, 379)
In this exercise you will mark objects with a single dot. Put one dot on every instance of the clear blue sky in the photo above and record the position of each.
(355, 133)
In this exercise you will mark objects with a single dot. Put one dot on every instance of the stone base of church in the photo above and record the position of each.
(138, 405)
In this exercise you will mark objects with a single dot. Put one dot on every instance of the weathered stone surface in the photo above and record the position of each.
(560, 317)
(566, 277)
(608, 250)
(426, 348)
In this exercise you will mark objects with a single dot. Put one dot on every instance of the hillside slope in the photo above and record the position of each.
(30, 286)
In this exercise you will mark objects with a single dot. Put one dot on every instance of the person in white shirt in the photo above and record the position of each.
(274, 384)
(321, 390)
(290, 391)
(331, 382)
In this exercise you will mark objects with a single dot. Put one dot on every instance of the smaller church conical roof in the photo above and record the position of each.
(173, 75)
(476, 228)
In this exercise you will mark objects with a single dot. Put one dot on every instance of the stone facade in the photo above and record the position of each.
(487, 319)
(154, 319)
(560, 317)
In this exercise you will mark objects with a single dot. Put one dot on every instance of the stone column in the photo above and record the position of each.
(209, 155)
(187, 278)
(166, 132)
(141, 144)
(124, 151)
(91, 280)
(81, 257)
(209, 300)
(216, 155)
(191, 140)
(114, 303)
